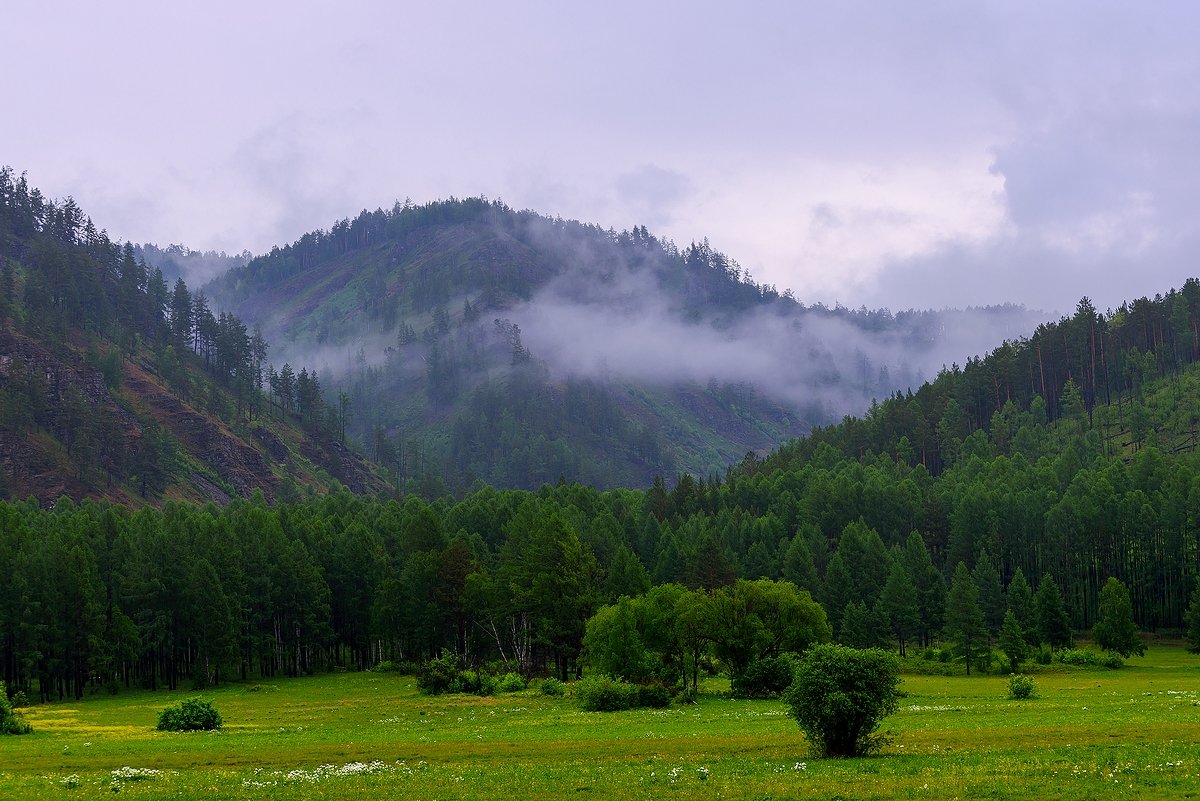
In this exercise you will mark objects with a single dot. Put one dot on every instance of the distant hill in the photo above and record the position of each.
(478, 342)
(114, 386)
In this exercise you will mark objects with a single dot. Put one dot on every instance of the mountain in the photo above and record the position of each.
(104, 394)
(478, 342)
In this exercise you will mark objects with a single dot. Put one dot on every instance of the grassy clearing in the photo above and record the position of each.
(1090, 733)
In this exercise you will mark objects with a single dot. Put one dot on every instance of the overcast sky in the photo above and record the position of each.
(904, 154)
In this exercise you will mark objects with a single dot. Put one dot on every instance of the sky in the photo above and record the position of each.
(907, 155)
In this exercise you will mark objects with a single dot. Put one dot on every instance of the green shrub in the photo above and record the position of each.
(388, 666)
(1086, 657)
(1043, 655)
(511, 683)
(840, 695)
(763, 678)
(10, 721)
(553, 687)
(476, 682)
(440, 675)
(1021, 687)
(605, 694)
(192, 714)
(654, 696)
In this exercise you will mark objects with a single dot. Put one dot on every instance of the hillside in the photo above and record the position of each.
(103, 394)
(477, 342)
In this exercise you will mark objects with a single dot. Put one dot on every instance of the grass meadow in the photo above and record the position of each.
(1094, 733)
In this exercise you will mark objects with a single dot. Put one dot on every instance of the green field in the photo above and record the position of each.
(1130, 733)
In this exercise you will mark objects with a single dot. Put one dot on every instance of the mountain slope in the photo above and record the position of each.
(477, 342)
(1092, 369)
(102, 393)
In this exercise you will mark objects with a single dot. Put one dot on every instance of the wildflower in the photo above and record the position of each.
(702, 773)
(800, 766)
(133, 774)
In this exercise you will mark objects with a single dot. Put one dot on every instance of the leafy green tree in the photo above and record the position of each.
(840, 695)
(1053, 623)
(612, 643)
(553, 577)
(753, 620)
(1012, 641)
(1115, 630)
(965, 626)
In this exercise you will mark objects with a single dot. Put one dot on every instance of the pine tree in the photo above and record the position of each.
(1012, 641)
(965, 626)
(1053, 623)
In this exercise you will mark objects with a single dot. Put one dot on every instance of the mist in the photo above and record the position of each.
(195, 267)
(626, 327)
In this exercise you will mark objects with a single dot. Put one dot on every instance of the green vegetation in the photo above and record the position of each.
(1090, 734)
(11, 722)
(840, 697)
(1021, 687)
(192, 714)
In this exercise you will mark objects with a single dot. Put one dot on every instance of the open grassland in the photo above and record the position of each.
(1131, 733)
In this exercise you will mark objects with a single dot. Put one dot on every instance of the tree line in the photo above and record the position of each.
(104, 595)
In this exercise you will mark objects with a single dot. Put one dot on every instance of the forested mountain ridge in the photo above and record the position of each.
(478, 342)
(1090, 366)
(114, 386)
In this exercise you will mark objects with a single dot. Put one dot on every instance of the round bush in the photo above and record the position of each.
(1021, 687)
(192, 714)
(553, 687)
(840, 695)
